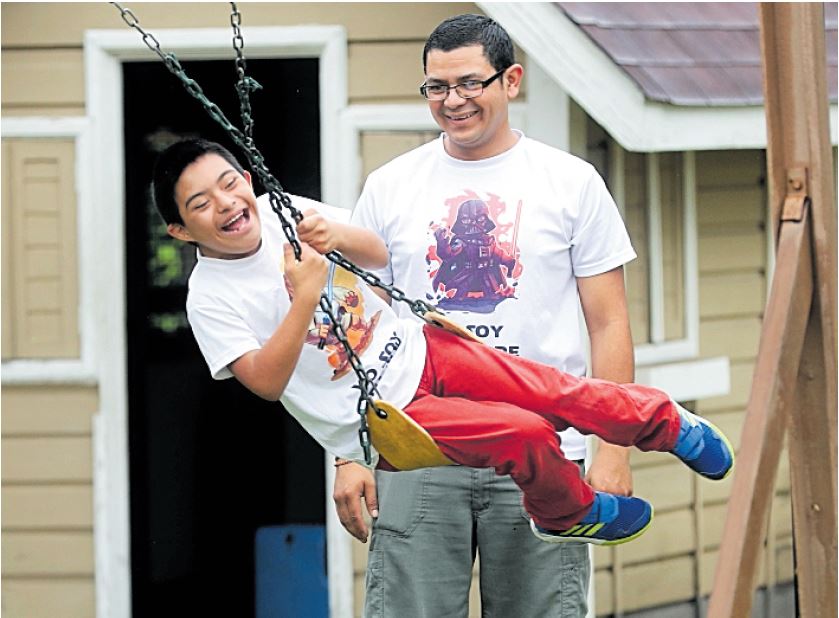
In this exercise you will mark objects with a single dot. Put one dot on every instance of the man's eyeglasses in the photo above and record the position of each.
(465, 90)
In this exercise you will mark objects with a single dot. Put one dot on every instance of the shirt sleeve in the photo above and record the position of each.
(341, 215)
(599, 240)
(368, 213)
(221, 333)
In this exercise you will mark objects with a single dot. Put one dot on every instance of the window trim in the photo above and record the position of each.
(81, 370)
(660, 350)
(356, 119)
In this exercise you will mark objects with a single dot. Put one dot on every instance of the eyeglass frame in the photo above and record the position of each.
(484, 83)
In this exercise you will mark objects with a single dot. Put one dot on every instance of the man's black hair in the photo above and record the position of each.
(469, 29)
(171, 164)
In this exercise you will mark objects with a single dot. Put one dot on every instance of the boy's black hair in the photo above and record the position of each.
(172, 162)
(469, 29)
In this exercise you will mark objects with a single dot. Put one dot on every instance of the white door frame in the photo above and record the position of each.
(104, 53)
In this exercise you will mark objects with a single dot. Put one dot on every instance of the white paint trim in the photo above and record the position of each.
(656, 249)
(64, 371)
(589, 76)
(548, 108)
(104, 52)
(688, 347)
(690, 248)
(688, 381)
(111, 532)
(339, 552)
(617, 177)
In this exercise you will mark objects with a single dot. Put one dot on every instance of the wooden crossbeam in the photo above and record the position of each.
(794, 383)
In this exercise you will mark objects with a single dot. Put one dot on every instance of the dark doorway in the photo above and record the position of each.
(210, 463)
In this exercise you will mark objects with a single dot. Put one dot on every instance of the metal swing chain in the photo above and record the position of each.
(244, 88)
(277, 196)
(246, 84)
(278, 199)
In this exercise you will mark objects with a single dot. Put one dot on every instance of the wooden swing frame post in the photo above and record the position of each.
(794, 384)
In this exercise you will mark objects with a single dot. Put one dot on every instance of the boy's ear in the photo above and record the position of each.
(178, 231)
(247, 176)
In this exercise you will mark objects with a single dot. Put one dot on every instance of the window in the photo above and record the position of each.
(656, 193)
(47, 332)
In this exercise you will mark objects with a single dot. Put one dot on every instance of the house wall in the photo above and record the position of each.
(682, 547)
(47, 518)
(42, 60)
(47, 496)
(47, 555)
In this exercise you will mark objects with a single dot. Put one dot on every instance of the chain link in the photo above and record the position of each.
(246, 84)
(280, 200)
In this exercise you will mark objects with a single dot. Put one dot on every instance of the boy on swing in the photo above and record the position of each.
(254, 311)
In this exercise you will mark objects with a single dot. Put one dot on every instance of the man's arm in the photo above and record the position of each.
(603, 299)
(354, 483)
(267, 371)
(357, 244)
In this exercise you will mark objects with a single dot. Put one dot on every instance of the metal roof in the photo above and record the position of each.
(691, 53)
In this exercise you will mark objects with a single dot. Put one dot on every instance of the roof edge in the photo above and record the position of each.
(610, 96)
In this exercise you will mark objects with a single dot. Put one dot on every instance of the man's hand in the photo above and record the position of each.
(317, 231)
(610, 470)
(352, 483)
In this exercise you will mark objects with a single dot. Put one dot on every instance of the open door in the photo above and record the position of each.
(210, 463)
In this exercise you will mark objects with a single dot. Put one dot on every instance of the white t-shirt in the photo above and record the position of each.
(234, 306)
(512, 234)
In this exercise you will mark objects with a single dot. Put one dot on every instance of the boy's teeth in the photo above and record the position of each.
(234, 220)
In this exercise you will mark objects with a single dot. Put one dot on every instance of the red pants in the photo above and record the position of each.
(487, 408)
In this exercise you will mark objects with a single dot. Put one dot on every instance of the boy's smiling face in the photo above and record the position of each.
(218, 208)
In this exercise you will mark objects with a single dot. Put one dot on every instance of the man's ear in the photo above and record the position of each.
(178, 231)
(512, 80)
(247, 176)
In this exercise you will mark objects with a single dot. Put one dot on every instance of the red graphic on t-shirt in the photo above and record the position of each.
(474, 261)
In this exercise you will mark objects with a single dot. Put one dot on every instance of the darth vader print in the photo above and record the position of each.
(473, 262)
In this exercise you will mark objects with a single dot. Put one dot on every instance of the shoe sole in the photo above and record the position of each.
(549, 538)
(704, 420)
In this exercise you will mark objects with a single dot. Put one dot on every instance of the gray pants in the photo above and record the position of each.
(431, 523)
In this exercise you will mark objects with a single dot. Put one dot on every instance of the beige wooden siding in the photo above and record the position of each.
(42, 295)
(63, 24)
(673, 243)
(46, 82)
(636, 213)
(379, 147)
(5, 253)
(42, 62)
(47, 501)
(732, 217)
(637, 271)
(681, 547)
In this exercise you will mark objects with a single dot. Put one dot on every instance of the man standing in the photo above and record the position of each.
(508, 236)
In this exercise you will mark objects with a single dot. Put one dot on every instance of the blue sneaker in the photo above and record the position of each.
(612, 520)
(703, 447)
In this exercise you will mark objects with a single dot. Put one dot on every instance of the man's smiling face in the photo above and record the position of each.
(476, 128)
(218, 208)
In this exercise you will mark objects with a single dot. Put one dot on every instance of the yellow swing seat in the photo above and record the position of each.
(441, 321)
(400, 439)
